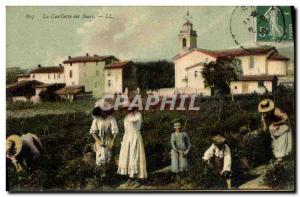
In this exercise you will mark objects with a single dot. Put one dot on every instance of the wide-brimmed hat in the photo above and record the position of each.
(16, 140)
(104, 105)
(102, 108)
(218, 139)
(266, 105)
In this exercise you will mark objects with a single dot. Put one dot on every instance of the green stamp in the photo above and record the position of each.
(274, 23)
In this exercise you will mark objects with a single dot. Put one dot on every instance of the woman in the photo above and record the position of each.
(132, 160)
(181, 146)
(277, 122)
(104, 130)
(26, 149)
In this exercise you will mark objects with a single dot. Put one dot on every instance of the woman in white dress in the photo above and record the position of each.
(104, 130)
(277, 123)
(132, 159)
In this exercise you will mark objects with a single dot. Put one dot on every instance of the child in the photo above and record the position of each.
(218, 155)
(181, 146)
(104, 130)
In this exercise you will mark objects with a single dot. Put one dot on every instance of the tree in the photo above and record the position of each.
(12, 74)
(49, 94)
(217, 75)
(155, 75)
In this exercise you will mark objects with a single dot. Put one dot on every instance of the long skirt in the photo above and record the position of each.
(178, 163)
(282, 145)
(132, 159)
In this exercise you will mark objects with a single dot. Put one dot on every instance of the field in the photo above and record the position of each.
(64, 130)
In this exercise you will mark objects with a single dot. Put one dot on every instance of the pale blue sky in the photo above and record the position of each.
(147, 33)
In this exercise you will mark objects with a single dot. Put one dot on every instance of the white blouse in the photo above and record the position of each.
(214, 150)
(104, 127)
(133, 121)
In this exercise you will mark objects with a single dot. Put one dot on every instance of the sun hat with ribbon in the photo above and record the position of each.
(14, 141)
(266, 105)
(102, 108)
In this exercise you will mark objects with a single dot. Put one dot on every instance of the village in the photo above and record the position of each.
(92, 75)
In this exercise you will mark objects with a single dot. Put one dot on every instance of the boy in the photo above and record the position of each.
(218, 155)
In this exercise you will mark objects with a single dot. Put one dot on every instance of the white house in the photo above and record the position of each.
(260, 65)
(87, 71)
(23, 77)
(48, 75)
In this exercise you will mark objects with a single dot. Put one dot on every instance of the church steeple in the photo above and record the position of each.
(187, 36)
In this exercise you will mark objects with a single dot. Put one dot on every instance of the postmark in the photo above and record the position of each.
(261, 24)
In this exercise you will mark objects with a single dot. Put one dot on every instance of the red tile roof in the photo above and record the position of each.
(50, 69)
(46, 85)
(87, 58)
(19, 84)
(232, 52)
(119, 64)
(23, 75)
(70, 90)
(257, 78)
(195, 65)
(277, 57)
(245, 52)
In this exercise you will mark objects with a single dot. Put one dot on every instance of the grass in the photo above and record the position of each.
(64, 137)
(83, 105)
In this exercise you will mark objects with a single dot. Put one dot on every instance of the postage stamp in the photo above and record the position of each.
(150, 99)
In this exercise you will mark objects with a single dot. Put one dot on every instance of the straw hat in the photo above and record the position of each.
(16, 140)
(266, 105)
(218, 139)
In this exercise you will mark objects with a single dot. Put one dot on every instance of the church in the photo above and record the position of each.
(261, 66)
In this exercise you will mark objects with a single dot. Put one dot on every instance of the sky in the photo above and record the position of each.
(40, 35)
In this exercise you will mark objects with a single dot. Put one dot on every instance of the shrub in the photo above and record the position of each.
(281, 176)
(65, 136)
(48, 96)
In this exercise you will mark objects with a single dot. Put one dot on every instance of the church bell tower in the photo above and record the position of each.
(187, 36)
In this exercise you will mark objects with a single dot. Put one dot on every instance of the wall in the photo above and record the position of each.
(48, 77)
(172, 91)
(260, 62)
(277, 68)
(89, 74)
(23, 78)
(237, 87)
(186, 61)
(92, 77)
(74, 80)
(195, 81)
(115, 77)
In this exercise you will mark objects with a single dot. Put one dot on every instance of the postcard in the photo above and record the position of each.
(150, 99)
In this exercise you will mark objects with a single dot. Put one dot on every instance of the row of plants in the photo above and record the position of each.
(65, 136)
